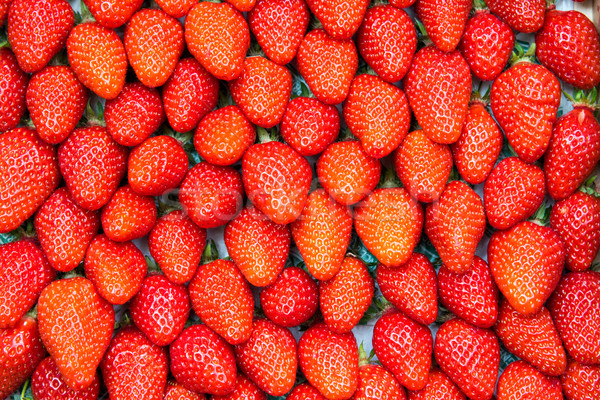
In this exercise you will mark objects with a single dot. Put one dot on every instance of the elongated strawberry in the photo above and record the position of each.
(519, 378)
(13, 86)
(581, 382)
(48, 384)
(305, 391)
(176, 391)
(113, 13)
(128, 215)
(525, 16)
(439, 386)
(444, 21)
(340, 18)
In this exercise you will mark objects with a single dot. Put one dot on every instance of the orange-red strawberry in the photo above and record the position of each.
(24, 189)
(438, 387)
(98, 58)
(128, 215)
(258, 246)
(76, 326)
(524, 16)
(526, 262)
(376, 382)
(520, 380)
(13, 86)
(244, 389)
(389, 222)
(242, 5)
(581, 382)
(340, 18)
(444, 21)
(402, 3)
(176, 391)
(279, 26)
(438, 86)
(217, 35)
(37, 30)
(113, 13)
(327, 65)
(176, 8)
(305, 391)
(48, 384)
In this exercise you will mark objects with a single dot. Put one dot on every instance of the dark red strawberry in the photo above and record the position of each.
(444, 21)
(128, 215)
(244, 389)
(438, 387)
(13, 86)
(340, 18)
(581, 382)
(48, 384)
(520, 378)
(524, 16)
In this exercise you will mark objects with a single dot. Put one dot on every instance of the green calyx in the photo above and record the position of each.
(210, 253)
(480, 6)
(591, 186)
(584, 98)
(520, 55)
(94, 116)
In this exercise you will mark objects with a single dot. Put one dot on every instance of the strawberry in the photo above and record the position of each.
(389, 222)
(387, 41)
(577, 220)
(513, 192)
(211, 195)
(48, 384)
(273, 371)
(423, 166)
(340, 18)
(13, 86)
(438, 86)
(258, 246)
(305, 391)
(154, 42)
(195, 356)
(327, 65)
(376, 382)
(524, 16)
(347, 172)
(224, 135)
(581, 382)
(157, 165)
(134, 115)
(439, 386)
(329, 361)
(176, 391)
(37, 30)
(276, 180)
(242, 5)
(21, 350)
(92, 164)
(520, 378)
(98, 58)
(486, 45)
(176, 243)
(411, 288)
(472, 296)
(570, 35)
(76, 326)
(404, 347)
(309, 126)
(469, 356)
(176, 8)
(128, 215)
(478, 146)
(402, 3)
(244, 389)
(533, 338)
(24, 189)
(4, 6)
(345, 298)
(575, 309)
(526, 262)
(223, 300)
(444, 21)
(377, 113)
(217, 35)
(112, 13)
(279, 26)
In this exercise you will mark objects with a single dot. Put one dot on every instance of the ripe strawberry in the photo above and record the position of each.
(24, 189)
(423, 166)
(176, 391)
(444, 21)
(217, 35)
(524, 16)
(575, 309)
(279, 26)
(176, 243)
(128, 215)
(439, 386)
(486, 45)
(4, 6)
(76, 326)
(258, 246)
(305, 391)
(48, 384)
(242, 5)
(438, 86)
(113, 13)
(98, 58)
(402, 3)
(276, 180)
(581, 382)
(389, 222)
(376, 382)
(154, 42)
(520, 379)
(309, 126)
(404, 347)
(224, 135)
(329, 361)
(134, 115)
(387, 41)
(513, 192)
(469, 356)
(195, 356)
(411, 288)
(13, 86)
(472, 296)
(37, 30)
(347, 172)
(244, 389)
(160, 309)
(327, 65)
(222, 298)
(479, 145)
(340, 18)
(526, 262)
(292, 299)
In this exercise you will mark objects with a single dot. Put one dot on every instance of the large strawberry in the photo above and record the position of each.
(340, 18)
(444, 21)
(112, 13)
(48, 384)
(519, 378)
(439, 386)
(524, 16)
(128, 215)
(581, 382)
(13, 85)
(244, 389)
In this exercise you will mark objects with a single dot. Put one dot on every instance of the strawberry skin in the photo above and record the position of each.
(112, 13)
(581, 382)
(128, 215)
(176, 391)
(376, 382)
(244, 389)
(520, 378)
(13, 86)
(524, 16)
(439, 386)
(340, 18)
(48, 384)
(444, 21)
(305, 391)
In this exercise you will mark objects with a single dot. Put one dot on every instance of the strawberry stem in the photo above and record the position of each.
(591, 186)
(520, 55)
(363, 358)
(423, 36)
(267, 135)
(542, 215)
(85, 16)
(210, 252)
(480, 6)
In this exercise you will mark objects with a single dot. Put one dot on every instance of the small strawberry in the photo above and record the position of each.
(520, 378)
(244, 389)
(524, 16)
(581, 382)
(176, 391)
(444, 21)
(13, 86)
(340, 18)
(376, 382)
(48, 384)
(128, 215)
(438, 387)
(242, 5)
(176, 8)
(402, 3)
(305, 391)
(113, 13)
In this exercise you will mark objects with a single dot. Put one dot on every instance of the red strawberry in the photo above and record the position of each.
(128, 215)
(37, 30)
(526, 261)
(524, 16)
(48, 384)
(327, 65)
(438, 387)
(4, 6)
(402, 3)
(305, 391)
(387, 41)
(520, 379)
(581, 382)
(376, 382)
(404, 347)
(244, 389)
(513, 192)
(24, 189)
(217, 35)
(76, 326)
(423, 166)
(444, 21)
(438, 86)
(13, 85)
(176, 391)
(176, 8)
(279, 26)
(340, 18)
(56, 101)
(469, 356)
(113, 13)
(242, 5)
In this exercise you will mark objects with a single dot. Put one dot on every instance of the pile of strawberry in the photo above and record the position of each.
(78, 187)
